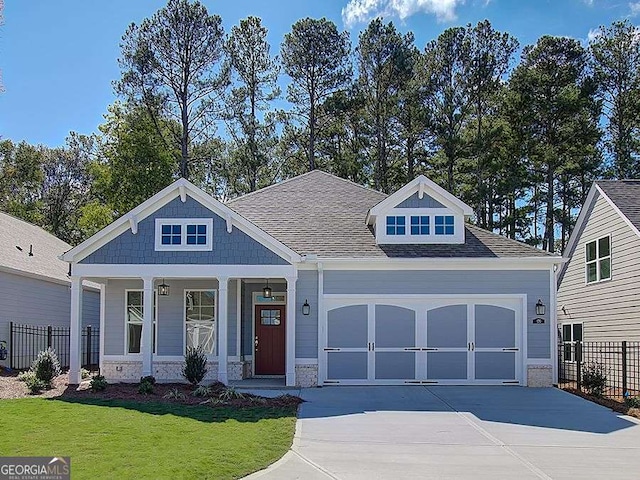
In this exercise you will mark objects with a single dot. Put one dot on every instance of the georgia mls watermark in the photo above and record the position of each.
(35, 468)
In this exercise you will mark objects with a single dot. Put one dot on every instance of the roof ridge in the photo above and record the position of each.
(35, 226)
(522, 244)
(351, 182)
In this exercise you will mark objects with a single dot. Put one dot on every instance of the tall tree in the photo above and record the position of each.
(172, 63)
(615, 51)
(385, 61)
(316, 58)
(255, 74)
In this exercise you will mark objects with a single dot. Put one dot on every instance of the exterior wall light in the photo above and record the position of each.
(306, 308)
(540, 308)
(163, 289)
(266, 291)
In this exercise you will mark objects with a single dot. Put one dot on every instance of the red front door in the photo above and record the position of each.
(270, 340)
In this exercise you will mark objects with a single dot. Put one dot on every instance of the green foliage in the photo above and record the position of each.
(46, 366)
(195, 365)
(84, 373)
(98, 383)
(174, 394)
(26, 376)
(231, 393)
(145, 387)
(35, 385)
(632, 402)
(594, 378)
(202, 391)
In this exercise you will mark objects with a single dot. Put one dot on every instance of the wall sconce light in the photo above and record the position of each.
(306, 308)
(540, 308)
(163, 289)
(266, 291)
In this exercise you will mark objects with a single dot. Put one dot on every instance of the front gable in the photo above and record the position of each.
(137, 237)
(421, 212)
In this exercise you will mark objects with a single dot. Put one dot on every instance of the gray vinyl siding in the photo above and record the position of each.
(609, 310)
(307, 325)
(533, 283)
(39, 302)
(170, 323)
(235, 248)
(414, 201)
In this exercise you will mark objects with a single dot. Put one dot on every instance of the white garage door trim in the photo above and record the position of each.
(421, 304)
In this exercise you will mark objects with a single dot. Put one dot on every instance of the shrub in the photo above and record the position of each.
(84, 373)
(195, 365)
(145, 388)
(594, 378)
(202, 391)
(174, 394)
(98, 383)
(46, 366)
(26, 376)
(231, 393)
(148, 379)
(35, 385)
(632, 402)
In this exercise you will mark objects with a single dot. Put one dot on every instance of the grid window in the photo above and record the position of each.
(396, 225)
(571, 333)
(134, 320)
(196, 234)
(419, 225)
(171, 234)
(444, 225)
(598, 260)
(200, 320)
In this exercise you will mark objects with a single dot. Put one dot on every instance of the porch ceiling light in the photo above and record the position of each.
(306, 308)
(266, 291)
(540, 308)
(163, 289)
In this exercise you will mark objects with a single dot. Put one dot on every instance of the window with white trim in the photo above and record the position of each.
(200, 319)
(443, 225)
(134, 319)
(571, 333)
(598, 260)
(184, 234)
(419, 225)
(396, 225)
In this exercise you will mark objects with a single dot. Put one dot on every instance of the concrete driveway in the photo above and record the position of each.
(417, 432)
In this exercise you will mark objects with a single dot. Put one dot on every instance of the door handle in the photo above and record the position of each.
(256, 343)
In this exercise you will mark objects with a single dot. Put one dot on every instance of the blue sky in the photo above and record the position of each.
(59, 58)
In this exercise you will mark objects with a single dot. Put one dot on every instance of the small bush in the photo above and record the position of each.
(231, 393)
(202, 391)
(46, 366)
(26, 376)
(594, 378)
(145, 388)
(84, 373)
(632, 402)
(148, 379)
(195, 366)
(35, 385)
(98, 383)
(174, 394)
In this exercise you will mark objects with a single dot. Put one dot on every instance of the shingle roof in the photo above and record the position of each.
(318, 213)
(46, 248)
(626, 196)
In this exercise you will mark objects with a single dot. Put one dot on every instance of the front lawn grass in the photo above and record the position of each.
(123, 439)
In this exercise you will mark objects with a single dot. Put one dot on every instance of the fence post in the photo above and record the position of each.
(49, 336)
(11, 362)
(578, 347)
(624, 368)
(88, 347)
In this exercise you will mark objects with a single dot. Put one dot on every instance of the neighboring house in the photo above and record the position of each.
(34, 285)
(365, 288)
(598, 290)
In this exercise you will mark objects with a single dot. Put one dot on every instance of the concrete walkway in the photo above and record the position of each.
(417, 432)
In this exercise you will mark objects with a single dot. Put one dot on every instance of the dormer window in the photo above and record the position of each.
(419, 225)
(396, 225)
(444, 225)
(173, 234)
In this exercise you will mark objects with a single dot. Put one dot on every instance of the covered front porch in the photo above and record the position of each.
(219, 308)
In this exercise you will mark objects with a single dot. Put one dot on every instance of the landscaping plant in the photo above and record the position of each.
(46, 366)
(594, 378)
(174, 394)
(195, 365)
(98, 383)
(146, 385)
(202, 391)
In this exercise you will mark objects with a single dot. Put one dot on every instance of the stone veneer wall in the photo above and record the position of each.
(539, 376)
(165, 371)
(306, 376)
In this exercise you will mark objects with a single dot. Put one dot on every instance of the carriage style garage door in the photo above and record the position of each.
(423, 340)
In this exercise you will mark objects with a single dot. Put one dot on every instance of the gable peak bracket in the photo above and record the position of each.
(133, 224)
(183, 193)
(229, 223)
(421, 188)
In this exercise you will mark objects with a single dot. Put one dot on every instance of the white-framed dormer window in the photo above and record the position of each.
(184, 234)
(420, 225)
(200, 319)
(444, 225)
(134, 315)
(396, 225)
(598, 260)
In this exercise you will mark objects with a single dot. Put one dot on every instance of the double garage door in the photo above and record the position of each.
(423, 341)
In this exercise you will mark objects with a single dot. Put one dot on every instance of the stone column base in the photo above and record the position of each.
(539, 376)
(306, 376)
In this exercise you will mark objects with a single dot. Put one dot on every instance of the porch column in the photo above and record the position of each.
(75, 350)
(223, 313)
(146, 341)
(290, 324)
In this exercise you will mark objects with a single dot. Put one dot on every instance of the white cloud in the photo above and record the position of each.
(359, 11)
(635, 9)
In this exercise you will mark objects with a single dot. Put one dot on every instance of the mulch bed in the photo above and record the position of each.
(614, 405)
(221, 396)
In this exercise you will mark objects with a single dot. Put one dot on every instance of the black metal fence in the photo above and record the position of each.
(26, 341)
(619, 363)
